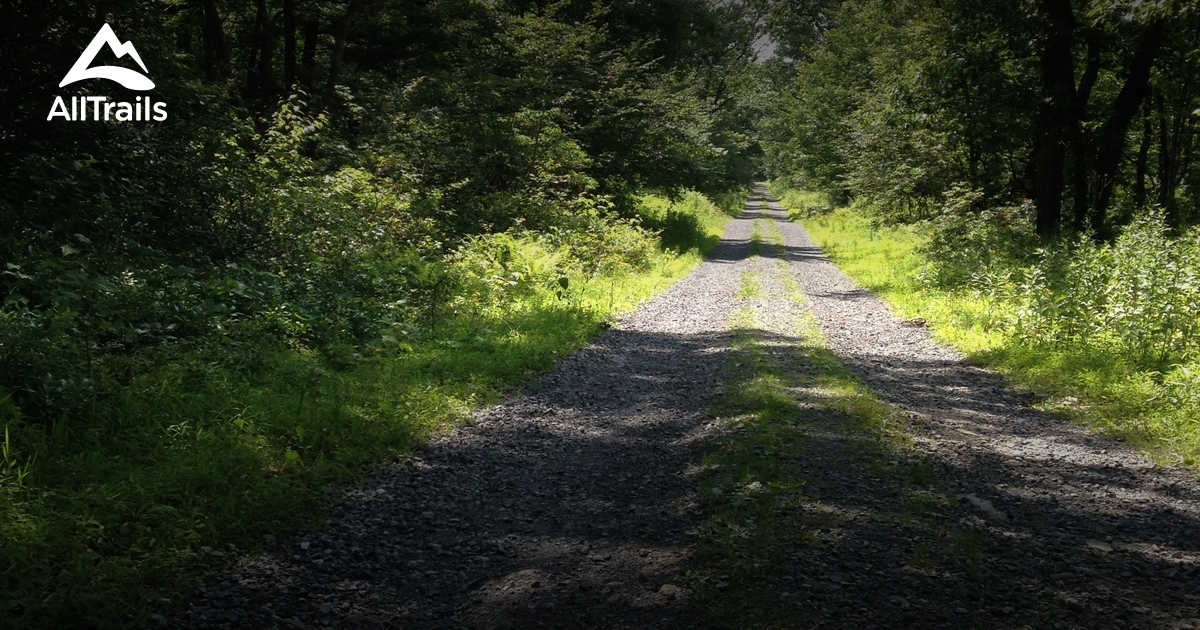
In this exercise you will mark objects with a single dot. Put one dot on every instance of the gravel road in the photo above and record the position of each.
(573, 504)
(1079, 530)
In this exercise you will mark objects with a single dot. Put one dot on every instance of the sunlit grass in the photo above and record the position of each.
(1091, 384)
(750, 286)
(757, 512)
(193, 463)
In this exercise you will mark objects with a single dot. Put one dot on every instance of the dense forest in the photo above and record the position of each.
(362, 218)
(1087, 110)
(1021, 178)
(1042, 155)
(359, 220)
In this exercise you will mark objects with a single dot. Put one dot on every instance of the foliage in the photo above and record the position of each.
(359, 220)
(691, 220)
(165, 454)
(1020, 177)
(1101, 333)
(1138, 294)
(799, 203)
(900, 104)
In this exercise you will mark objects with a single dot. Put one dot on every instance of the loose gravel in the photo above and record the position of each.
(1077, 530)
(570, 505)
(573, 504)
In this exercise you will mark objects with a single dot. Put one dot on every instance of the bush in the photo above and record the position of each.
(1141, 292)
(801, 204)
(692, 221)
(977, 248)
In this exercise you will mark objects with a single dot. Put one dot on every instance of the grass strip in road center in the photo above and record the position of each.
(1096, 384)
(768, 502)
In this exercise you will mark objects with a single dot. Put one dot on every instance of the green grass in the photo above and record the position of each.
(792, 423)
(193, 463)
(758, 512)
(1090, 384)
(750, 286)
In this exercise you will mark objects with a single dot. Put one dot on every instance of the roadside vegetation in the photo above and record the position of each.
(1020, 177)
(195, 459)
(1097, 333)
(360, 221)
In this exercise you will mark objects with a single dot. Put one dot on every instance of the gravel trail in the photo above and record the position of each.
(1078, 530)
(572, 504)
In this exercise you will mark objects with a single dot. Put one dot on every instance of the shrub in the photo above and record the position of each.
(1140, 292)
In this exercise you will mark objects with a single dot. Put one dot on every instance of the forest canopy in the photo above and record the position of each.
(311, 143)
(1086, 109)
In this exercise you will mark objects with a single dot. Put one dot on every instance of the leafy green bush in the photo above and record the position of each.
(1105, 333)
(977, 248)
(1141, 292)
(801, 203)
(506, 271)
(689, 221)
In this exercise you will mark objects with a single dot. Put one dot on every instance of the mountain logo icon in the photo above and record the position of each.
(129, 78)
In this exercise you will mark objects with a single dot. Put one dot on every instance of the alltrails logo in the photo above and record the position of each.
(143, 108)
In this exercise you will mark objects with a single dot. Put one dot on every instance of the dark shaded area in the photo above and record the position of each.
(569, 506)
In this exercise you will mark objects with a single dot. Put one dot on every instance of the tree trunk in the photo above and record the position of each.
(339, 49)
(1139, 184)
(1080, 139)
(1174, 141)
(1055, 116)
(1111, 138)
(216, 53)
(289, 43)
(309, 63)
(257, 41)
(1188, 142)
(266, 52)
(1166, 155)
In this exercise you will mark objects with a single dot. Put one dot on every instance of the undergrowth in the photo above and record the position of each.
(200, 450)
(1101, 334)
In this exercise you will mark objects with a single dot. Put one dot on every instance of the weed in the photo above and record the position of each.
(188, 464)
(1086, 334)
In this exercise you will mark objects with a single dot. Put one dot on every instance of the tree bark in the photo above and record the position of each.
(1111, 137)
(289, 43)
(1055, 115)
(216, 53)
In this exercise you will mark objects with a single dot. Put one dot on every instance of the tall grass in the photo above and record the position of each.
(1103, 334)
(199, 456)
